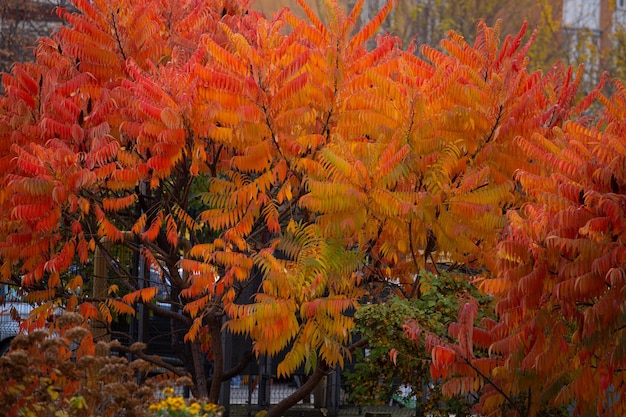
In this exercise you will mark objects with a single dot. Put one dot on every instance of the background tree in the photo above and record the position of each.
(617, 58)
(570, 32)
(428, 21)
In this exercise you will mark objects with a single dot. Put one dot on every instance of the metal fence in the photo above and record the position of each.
(249, 394)
(258, 387)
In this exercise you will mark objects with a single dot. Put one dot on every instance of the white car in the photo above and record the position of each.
(11, 308)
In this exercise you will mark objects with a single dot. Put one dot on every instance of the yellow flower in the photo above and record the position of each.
(210, 408)
(194, 409)
(175, 403)
(168, 392)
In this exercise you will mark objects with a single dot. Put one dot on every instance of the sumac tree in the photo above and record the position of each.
(558, 283)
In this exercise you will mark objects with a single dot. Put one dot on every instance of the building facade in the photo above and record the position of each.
(22, 22)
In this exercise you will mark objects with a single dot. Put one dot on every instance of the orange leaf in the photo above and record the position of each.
(145, 295)
(120, 307)
(88, 311)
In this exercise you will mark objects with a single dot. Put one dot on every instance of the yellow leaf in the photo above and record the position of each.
(403, 245)
(291, 227)
(53, 392)
(288, 192)
(84, 205)
(192, 334)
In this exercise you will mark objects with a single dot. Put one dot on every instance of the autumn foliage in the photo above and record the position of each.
(558, 281)
(561, 271)
(231, 151)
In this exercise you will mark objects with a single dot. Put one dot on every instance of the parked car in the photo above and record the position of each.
(11, 309)
(158, 333)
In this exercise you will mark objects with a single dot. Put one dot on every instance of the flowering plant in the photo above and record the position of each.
(175, 406)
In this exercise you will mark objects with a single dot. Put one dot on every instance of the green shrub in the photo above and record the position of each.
(375, 377)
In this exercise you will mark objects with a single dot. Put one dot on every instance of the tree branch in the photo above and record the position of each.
(117, 36)
(279, 409)
(153, 359)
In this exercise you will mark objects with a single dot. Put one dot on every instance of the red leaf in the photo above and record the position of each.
(393, 355)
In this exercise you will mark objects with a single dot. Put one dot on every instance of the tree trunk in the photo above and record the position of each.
(215, 328)
(306, 389)
(237, 369)
(200, 389)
